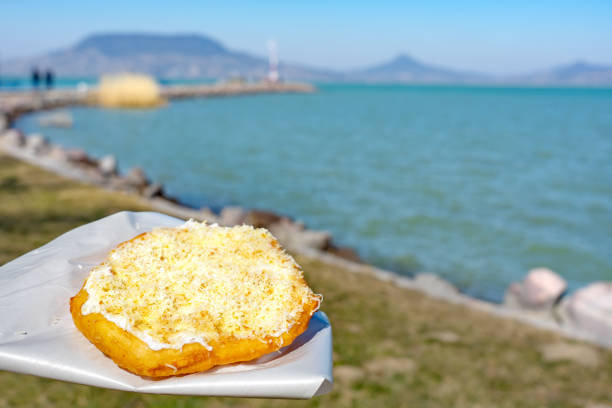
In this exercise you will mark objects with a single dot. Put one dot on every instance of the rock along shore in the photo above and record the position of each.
(540, 300)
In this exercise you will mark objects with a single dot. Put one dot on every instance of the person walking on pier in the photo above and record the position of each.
(49, 78)
(35, 77)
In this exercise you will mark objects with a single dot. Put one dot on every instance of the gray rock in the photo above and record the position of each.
(589, 310)
(313, 239)
(435, 285)
(56, 119)
(92, 174)
(207, 215)
(12, 138)
(262, 219)
(294, 235)
(136, 178)
(37, 144)
(58, 154)
(153, 190)
(285, 230)
(3, 122)
(345, 252)
(119, 183)
(540, 291)
(108, 165)
(79, 156)
(231, 216)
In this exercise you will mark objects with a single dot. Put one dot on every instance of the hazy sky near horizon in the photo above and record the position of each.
(497, 37)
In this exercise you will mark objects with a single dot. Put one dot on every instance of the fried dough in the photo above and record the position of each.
(181, 300)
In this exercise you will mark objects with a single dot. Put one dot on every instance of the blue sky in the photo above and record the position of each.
(497, 37)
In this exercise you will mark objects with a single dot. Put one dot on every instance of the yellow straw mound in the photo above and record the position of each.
(128, 91)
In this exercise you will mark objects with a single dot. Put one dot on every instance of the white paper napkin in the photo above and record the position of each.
(37, 335)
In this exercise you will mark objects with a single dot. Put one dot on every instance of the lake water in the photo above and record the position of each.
(477, 184)
(14, 83)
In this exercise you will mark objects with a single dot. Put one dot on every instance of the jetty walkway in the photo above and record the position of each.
(16, 103)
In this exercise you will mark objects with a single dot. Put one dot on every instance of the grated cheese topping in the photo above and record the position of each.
(199, 283)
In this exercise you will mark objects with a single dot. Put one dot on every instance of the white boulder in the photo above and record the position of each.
(36, 144)
(540, 290)
(12, 138)
(589, 310)
(108, 165)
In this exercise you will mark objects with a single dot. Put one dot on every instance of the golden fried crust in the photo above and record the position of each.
(132, 354)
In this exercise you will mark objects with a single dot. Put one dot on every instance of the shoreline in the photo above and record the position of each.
(552, 314)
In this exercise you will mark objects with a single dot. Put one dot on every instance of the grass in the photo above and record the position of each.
(128, 91)
(392, 347)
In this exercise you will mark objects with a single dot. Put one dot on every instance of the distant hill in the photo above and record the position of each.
(200, 56)
(167, 56)
(575, 73)
(126, 45)
(404, 68)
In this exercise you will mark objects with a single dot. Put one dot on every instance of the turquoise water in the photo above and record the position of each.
(476, 184)
(10, 83)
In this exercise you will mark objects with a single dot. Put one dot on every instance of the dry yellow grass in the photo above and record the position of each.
(128, 91)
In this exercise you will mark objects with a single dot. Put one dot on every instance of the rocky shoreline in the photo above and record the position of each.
(539, 300)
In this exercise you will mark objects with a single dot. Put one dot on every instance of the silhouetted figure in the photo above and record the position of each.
(35, 78)
(49, 78)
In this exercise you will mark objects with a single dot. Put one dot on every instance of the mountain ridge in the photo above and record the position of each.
(126, 44)
(191, 55)
(404, 67)
(163, 55)
(577, 72)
